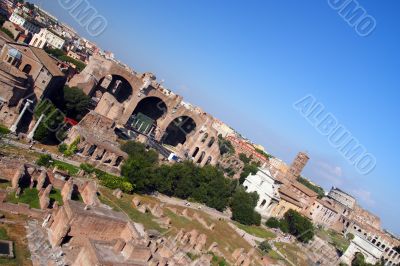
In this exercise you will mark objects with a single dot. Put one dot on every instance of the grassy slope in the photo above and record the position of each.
(257, 231)
(28, 196)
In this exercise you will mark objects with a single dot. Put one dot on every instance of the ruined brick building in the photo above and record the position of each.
(138, 102)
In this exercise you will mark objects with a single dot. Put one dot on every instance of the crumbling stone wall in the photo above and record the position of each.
(89, 193)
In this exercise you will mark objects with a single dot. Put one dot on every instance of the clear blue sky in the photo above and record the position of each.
(246, 62)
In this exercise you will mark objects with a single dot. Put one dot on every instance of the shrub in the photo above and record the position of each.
(243, 205)
(284, 226)
(48, 129)
(225, 146)
(72, 149)
(4, 130)
(299, 226)
(62, 147)
(265, 247)
(317, 189)
(114, 182)
(87, 168)
(273, 223)
(9, 33)
(44, 160)
(350, 236)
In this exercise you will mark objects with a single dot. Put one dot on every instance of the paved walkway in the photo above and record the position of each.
(194, 206)
(41, 151)
(41, 251)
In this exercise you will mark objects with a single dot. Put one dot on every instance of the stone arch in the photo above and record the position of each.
(98, 68)
(146, 114)
(116, 85)
(178, 130)
(209, 160)
(27, 69)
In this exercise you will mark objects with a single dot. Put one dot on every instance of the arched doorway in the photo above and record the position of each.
(27, 69)
(147, 112)
(178, 130)
(116, 85)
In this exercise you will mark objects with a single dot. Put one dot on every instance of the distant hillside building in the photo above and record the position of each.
(222, 128)
(47, 37)
(244, 147)
(27, 24)
(342, 198)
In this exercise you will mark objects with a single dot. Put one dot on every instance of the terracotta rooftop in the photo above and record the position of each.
(328, 205)
(289, 196)
(304, 189)
(47, 61)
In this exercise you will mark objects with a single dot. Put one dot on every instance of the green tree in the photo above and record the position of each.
(350, 236)
(243, 205)
(4, 130)
(319, 190)
(62, 147)
(139, 167)
(44, 160)
(251, 168)
(299, 226)
(225, 146)
(75, 103)
(54, 52)
(9, 33)
(243, 157)
(51, 125)
(265, 247)
(272, 223)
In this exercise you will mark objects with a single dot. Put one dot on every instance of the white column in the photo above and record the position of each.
(32, 133)
(13, 128)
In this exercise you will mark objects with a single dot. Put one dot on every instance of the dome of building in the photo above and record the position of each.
(15, 53)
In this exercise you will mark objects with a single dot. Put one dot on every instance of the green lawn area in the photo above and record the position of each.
(3, 234)
(124, 204)
(256, 231)
(55, 195)
(4, 130)
(273, 255)
(218, 261)
(334, 238)
(28, 196)
(72, 170)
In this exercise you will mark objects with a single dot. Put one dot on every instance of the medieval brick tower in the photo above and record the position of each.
(297, 166)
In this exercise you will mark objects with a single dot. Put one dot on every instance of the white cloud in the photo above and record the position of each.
(364, 195)
(329, 175)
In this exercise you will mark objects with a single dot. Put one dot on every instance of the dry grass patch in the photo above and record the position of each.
(16, 233)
